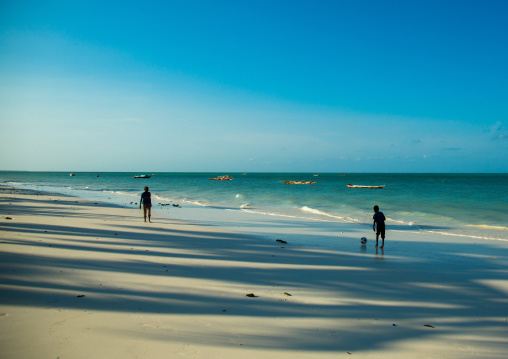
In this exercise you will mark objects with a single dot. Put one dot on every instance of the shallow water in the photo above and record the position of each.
(472, 205)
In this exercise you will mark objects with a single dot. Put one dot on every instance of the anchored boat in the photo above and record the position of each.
(299, 182)
(221, 178)
(357, 186)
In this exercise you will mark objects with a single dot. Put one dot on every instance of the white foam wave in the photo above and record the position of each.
(195, 202)
(282, 215)
(322, 213)
(391, 220)
(122, 193)
(162, 198)
(275, 214)
(245, 206)
(453, 234)
(485, 226)
(469, 236)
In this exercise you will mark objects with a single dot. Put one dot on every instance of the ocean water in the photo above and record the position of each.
(471, 205)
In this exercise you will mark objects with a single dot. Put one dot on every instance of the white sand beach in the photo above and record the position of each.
(84, 279)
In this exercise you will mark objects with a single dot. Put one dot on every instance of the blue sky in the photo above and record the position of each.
(327, 86)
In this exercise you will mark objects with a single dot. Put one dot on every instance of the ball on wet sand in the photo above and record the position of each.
(363, 240)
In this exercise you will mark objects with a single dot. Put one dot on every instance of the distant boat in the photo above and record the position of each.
(72, 175)
(299, 182)
(357, 186)
(221, 178)
(142, 176)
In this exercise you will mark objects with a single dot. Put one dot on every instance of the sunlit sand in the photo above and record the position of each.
(82, 279)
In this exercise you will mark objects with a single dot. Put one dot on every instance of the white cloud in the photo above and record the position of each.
(498, 131)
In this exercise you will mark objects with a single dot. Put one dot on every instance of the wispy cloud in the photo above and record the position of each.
(498, 131)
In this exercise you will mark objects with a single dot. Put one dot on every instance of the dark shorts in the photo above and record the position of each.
(380, 230)
(147, 206)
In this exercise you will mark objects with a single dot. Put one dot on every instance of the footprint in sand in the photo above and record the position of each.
(154, 324)
(189, 352)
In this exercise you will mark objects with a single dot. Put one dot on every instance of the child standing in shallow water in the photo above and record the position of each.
(379, 219)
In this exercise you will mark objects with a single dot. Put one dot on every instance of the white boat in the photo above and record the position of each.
(357, 186)
(142, 176)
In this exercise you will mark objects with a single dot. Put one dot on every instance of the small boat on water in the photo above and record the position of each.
(72, 175)
(299, 182)
(357, 186)
(221, 178)
(142, 176)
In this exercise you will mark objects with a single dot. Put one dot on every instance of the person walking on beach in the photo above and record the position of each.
(379, 219)
(146, 201)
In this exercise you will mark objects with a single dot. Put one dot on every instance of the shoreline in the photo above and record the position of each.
(83, 279)
(484, 222)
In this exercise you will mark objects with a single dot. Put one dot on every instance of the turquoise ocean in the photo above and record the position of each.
(470, 205)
